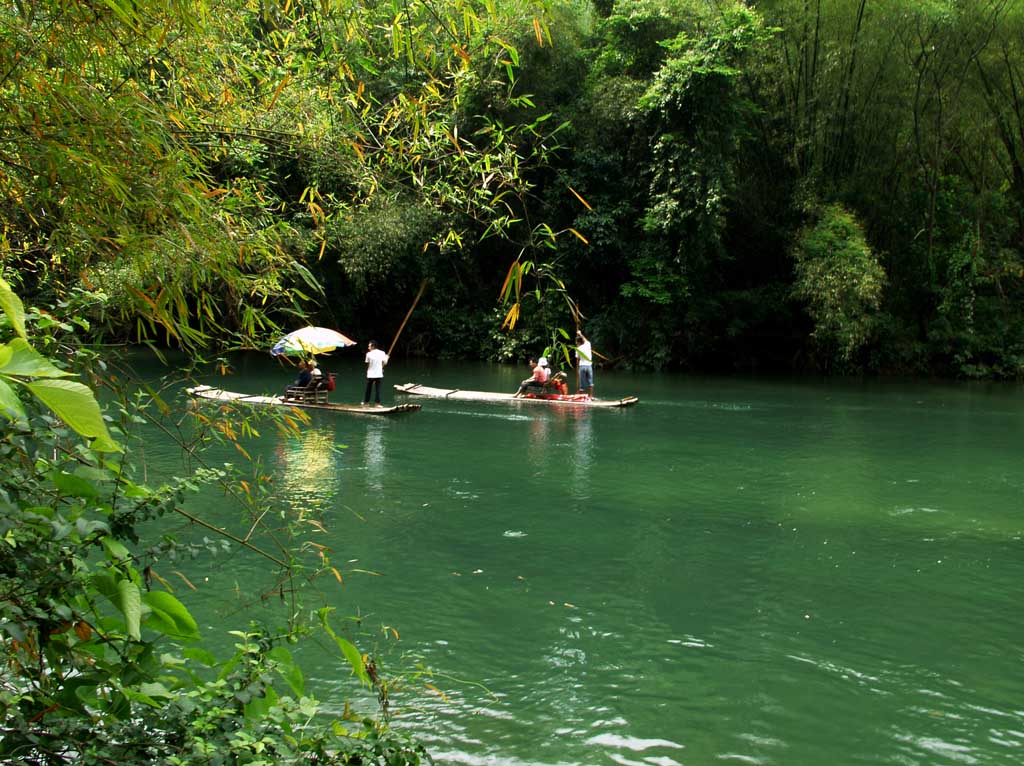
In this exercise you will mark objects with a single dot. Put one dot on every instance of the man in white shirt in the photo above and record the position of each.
(584, 355)
(375, 361)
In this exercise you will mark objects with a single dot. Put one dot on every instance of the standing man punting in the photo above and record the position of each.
(375, 361)
(584, 355)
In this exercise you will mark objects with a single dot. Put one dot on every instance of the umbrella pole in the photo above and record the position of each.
(408, 314)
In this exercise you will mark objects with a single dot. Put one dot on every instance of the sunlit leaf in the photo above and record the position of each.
(169, 616)
(129, 602)
(347, 648)
(116, 551)
(73, 486)
(512, 270)
(580, 236)
(75, 404)
(577, 196)
(27, 362)
(12, 307)
(511, 317)
(10, 404)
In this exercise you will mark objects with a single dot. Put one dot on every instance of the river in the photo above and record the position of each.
(736, 570)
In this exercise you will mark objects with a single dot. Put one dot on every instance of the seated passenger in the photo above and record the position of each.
(316, 376)
(536, 381)
(305, 374)
(558, 385)
(297, 388)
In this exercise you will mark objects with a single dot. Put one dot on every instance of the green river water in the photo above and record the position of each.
(753, 571)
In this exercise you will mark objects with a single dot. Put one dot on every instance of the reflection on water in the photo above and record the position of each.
(732, 571)
(308, 474)
(539, 449)
(561, 436)
(583, 452)
(375, 456)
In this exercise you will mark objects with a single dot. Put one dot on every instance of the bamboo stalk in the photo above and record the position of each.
(408, 314)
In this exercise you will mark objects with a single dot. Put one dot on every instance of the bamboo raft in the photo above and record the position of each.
(574, 400)
(317, 402)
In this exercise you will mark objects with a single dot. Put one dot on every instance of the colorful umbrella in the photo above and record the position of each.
(310, 340)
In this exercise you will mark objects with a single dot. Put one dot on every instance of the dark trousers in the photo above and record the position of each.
(369, 387)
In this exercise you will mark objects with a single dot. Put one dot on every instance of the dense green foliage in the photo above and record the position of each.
(649, 168)
(103, 663)
(709, 139)
(768, 184)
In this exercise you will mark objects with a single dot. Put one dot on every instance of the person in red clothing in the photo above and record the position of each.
(536, 380)
(558, 385)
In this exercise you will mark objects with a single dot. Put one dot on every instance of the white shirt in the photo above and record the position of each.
(375, 361)
(584, 354)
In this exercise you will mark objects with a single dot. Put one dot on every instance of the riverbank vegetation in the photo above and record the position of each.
(765, 185)
(783, 185)
(103, 662)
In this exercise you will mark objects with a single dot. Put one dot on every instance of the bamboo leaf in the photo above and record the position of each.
(580, 236)
(503, 292)
(511, 317)
(277, 92)
(576, 194)
(354, 658)
(347, 648)
(121, 12)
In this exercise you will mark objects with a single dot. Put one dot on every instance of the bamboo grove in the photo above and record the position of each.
(785, 184)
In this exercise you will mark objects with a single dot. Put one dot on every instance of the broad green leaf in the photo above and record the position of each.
(116, 551)
(13, 308)
(257, 708)
(200, 655)
(74, 689)
(26, 361)
(129, 601)
(133, 490)
(73, 486)
(169, 616)
(155, 690)
(10, 404)
(105, 583)
(288, 670)
(75, 404)
(86, 527)
(148, 698)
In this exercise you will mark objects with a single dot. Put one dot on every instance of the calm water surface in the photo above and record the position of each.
(733, 571)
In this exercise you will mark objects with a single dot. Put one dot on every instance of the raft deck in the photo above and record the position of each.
(575, 400)
(219, 395)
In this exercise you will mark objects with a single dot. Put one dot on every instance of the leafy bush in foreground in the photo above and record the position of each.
(102, 662)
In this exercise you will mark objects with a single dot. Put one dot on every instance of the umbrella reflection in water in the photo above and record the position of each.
(309, 476)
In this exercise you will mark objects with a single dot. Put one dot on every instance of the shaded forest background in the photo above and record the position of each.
(777, 185)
